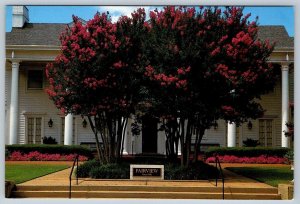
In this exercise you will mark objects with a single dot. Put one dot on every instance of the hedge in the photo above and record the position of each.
(50, 149)
(85, 168)
(197, 171)
(247, 151)
(111, 171)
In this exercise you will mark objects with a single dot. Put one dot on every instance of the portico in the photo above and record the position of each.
(284, 59)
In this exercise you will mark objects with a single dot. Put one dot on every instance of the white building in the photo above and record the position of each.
(29, 46)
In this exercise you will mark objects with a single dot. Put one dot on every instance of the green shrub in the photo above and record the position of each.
(85, 168)
(247, 151)
(174, 172)
(111, 171)
(50, 149)
(250, 143)
(49, 140)
(290, 155)
(197, 171)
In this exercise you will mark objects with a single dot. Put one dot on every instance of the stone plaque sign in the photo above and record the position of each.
(146, 172)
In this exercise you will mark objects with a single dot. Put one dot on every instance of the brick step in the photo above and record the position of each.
(144, 194)
(138, 188)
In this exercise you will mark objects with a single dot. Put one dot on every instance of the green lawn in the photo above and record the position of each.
(20, 173)
(269, 175)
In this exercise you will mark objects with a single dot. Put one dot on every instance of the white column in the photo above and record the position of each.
(132, 138)
(13, 122)
(68, 129)
(231, 135)
(125, 147)
(284, 104)
(179, 147)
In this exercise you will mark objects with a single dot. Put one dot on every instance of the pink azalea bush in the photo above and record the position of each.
(262, 159)
(37, 156)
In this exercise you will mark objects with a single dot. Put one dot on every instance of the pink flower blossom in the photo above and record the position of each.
(180, 71)
(37, 156)
(118, 65)
(215, 52)
(262, 159)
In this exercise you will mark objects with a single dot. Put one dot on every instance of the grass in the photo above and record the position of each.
(20, 173)
(269, 175)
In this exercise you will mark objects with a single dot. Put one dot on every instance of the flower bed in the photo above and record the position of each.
(37, 156)
(262, 159)
(247, 151)
(49, 149)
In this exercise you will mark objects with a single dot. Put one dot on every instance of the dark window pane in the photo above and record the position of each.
(35, 79)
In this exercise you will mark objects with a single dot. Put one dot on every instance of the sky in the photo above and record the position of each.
(63, 14)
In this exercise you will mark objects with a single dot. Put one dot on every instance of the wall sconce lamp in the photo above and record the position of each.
(215, 124)
(50, 123)
(84, 123)
(249, 125)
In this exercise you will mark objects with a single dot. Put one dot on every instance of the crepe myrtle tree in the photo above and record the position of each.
(203, 66)
(97, 75)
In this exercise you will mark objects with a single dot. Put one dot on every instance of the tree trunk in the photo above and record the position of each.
(183, 143)
(121, 137)
(199, 136)
(188, 142)
(112, 132)
(97, 140)
(171, 130)
(185, 137)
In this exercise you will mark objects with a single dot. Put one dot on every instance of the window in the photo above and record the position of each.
(266, 132)
(34, 130)
(35, 79)
(62, 137)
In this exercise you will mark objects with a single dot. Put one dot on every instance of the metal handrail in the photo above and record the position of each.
(70, 177)
(218, 174)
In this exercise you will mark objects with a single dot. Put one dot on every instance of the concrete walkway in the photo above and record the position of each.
(231, 180)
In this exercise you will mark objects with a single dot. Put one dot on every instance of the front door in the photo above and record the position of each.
(149, 134)
(34, 130)
(266, 132)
